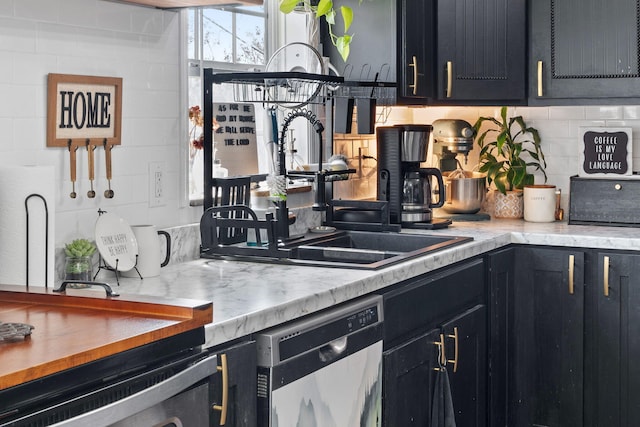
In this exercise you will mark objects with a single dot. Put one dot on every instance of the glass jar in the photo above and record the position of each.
(78, 268)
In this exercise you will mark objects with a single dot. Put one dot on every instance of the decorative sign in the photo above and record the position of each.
(234, 137)
(82, 109)
(605, 151)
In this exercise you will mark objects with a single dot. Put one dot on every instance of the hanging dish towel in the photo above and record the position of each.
(442, 414)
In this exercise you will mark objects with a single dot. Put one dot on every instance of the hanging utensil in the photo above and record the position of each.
(72, 168)
(107, 155)
(91, 193)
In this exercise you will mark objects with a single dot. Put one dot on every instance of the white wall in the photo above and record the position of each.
(559, 129)
(99, 38)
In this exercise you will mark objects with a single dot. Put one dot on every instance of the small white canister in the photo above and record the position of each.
(540, 203)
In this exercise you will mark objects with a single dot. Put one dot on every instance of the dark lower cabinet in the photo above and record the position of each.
(241, 373)
(613, 341)
(422, 315)
(564, 337)
(409, 375)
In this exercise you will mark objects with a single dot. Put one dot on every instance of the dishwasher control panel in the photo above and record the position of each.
(316, 330)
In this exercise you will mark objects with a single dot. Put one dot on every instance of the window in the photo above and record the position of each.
(222, 38)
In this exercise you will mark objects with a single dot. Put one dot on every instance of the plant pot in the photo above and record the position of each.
(510, 205)
(78, 268)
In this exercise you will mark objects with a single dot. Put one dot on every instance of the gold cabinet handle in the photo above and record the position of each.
(414, 86)
(449, 78)
(455, 348)
(539, 78)
(571, 271)
(605, 278)
(225, 390)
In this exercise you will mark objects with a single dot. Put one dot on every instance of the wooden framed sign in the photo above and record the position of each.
(605, 152)
(83, 110)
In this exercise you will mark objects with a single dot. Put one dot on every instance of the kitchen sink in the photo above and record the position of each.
(367, 250)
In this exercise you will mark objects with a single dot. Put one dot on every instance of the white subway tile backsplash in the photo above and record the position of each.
(603, 112)
(631, 112)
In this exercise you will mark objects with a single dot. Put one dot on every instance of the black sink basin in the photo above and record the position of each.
(367, 249)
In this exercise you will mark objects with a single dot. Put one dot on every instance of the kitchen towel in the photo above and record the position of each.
(442, 413)
(17, 184)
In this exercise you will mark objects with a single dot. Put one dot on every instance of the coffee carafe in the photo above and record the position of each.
(402, 181)
(417, 201)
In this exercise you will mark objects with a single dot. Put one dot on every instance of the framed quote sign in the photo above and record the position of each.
(605, 151)
(234, 137)
(83, 110)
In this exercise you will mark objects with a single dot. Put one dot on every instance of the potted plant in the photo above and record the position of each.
(509, 152)
(79, 262)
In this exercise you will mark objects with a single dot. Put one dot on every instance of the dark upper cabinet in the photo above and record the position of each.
(584, 50)
(416, 50)
(453, 52)
(481, 51)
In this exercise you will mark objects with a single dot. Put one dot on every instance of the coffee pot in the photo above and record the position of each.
(417, 200)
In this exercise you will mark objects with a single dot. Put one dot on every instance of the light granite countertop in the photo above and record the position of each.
(249, 296)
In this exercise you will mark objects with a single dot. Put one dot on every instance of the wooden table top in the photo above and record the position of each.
(77, 327)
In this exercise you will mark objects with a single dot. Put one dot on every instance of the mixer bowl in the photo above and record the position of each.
(464, 195)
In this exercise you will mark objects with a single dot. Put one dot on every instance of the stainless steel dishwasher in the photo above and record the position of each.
(324, 369)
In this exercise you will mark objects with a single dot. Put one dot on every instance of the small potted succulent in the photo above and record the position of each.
(509, 152)
(79, 262)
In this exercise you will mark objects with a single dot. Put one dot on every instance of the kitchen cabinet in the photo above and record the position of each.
(239, 361)
(548, 324)
(612, 340)
(420, 315)
(563, 330)
(453, 52)
(481, 51)
(587, 51)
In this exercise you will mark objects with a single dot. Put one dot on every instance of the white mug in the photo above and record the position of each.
(149, 259)
(540, 203)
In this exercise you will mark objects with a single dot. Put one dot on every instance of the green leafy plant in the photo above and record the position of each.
(79, 248)
(501, 158)
(324, 8)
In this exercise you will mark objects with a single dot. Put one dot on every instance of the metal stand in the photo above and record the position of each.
(103, 265)
(46, 239)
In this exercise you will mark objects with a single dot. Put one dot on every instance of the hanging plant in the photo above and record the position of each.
(324, 8)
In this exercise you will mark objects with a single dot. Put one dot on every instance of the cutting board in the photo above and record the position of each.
(75, 328)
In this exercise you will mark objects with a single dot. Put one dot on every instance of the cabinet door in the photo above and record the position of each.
(409, 375)
(546, 366)
(466, 353)
(584, 49)
(481, 50)
(241, 388)
(614, 341)
(416, 51)
(373, 46)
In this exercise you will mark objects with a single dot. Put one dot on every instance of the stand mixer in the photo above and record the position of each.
(450, 138)
(465, 190)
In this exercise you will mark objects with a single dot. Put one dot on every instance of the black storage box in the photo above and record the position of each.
(605, 201)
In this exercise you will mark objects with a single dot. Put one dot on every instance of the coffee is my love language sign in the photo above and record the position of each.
(605, 151)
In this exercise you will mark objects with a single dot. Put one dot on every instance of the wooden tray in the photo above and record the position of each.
(71, 330)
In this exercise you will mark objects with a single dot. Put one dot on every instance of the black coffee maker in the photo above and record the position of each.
(402, 182)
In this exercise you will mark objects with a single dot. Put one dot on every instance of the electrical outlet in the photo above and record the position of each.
(157, 175)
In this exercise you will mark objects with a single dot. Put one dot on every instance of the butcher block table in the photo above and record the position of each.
(81, 326)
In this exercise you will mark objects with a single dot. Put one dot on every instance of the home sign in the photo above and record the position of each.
(605, 151)
(83, 110)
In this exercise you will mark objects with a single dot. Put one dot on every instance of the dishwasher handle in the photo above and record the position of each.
(333, 350)
(147, 398)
